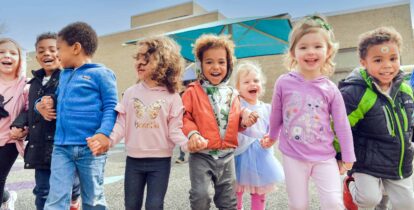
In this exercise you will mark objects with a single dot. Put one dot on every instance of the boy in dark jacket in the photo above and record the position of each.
(38, 151)
(379, 106)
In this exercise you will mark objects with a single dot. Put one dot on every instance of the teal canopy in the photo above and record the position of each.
(254, 36)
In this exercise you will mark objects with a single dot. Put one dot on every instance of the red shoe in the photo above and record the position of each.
(75, 205)
(348, 202)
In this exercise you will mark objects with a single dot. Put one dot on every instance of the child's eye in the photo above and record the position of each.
(41, 52)
(377, 60)
(302, 48)
(222, 62)
(318, 46)
(394, 59)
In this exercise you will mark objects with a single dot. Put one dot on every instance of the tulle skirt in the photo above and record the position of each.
(258, 170)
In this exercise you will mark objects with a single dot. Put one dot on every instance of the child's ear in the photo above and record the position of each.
(77, 48)
(363, 62)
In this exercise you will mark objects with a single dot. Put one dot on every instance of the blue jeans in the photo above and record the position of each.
(41, 190)
(66, 159)
(153, 172)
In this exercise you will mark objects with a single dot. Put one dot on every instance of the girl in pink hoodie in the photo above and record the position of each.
(13, 100)
(150, 118)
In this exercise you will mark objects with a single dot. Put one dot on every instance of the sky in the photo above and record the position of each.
(23, 20)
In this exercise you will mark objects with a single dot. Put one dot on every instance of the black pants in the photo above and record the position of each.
(8, 155)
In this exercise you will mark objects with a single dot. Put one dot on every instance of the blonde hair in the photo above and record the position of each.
(19, 50)
(170, 63)
(210, 41)
(378, 36)
(244, 68)
(312, 24)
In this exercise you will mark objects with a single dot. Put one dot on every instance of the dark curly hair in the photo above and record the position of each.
(82, 33)
(169, 62)
(378, 36)
(47, 35)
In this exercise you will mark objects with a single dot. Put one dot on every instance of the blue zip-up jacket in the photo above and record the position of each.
(86, 100)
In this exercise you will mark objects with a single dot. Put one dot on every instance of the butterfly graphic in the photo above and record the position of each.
(152, 110)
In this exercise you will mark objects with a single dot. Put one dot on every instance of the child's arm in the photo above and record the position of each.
(342, 129)
(276, 119)
(18, 129)
(248, 118)
(45, 107)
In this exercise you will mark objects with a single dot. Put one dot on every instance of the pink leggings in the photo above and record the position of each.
(258, 201)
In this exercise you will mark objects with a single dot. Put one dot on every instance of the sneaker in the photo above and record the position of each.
(75, 205)
(9, 204)
(348, 201)
(179, 161)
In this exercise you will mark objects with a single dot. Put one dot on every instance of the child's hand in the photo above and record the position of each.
(344, 167)
(197, 143)
(98, 144)
(45, 108)
(266, 142)
(249, 118)
(18, 133)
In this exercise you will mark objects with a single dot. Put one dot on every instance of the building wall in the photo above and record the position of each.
(347, 27)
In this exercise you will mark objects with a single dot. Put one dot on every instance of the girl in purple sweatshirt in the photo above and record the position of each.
(305, 104)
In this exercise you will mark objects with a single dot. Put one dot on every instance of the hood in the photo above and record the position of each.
(360, 76)
(202, 78)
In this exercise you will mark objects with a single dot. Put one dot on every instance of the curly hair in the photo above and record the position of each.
(82, 33)
(210, 41)
(47, 35)
(169, 62)
(378, 36)
(19, 49)
(312, 24)
(245, 67)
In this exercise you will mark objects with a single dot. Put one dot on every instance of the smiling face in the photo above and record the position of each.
(214, 65)
(250, 86)
(9, 60)
(311, 52)
(383, 63)
(145, 65)
(46, 55)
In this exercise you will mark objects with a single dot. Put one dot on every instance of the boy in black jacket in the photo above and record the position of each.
(38, 152)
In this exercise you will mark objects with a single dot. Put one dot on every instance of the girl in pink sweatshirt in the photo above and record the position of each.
(304, 104)
(150, 118)
(13, 100)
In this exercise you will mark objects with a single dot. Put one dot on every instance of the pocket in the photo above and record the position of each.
(405, 119)
(388, 120)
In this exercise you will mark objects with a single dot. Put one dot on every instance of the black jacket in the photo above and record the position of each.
(39, 148)
(381, 125)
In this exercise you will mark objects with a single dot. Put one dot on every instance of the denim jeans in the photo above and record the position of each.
(8, 155)
(41, 190)
(153, 172)
(66, 159)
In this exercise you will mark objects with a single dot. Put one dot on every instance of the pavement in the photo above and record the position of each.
(22, 181)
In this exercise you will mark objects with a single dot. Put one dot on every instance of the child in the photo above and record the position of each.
(380, 107)
(212, 113)
(38, 151)
(13, 100)
(304, 103)
(257, 170)
(150, 119)
(87, 96)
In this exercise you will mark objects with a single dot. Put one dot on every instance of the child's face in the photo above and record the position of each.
(9, 60)
(310, 53)
(250, 87)
(144, 65)
(65, 53)
(382, 62)
(46, 55)
(214, 65)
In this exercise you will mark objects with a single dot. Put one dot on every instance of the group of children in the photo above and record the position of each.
(228, 131)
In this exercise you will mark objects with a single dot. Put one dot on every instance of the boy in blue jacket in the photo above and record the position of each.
(87, 96)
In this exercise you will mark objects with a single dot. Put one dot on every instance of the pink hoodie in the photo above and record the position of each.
(150, 119)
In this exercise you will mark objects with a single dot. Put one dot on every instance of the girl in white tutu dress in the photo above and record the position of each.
(257, 169)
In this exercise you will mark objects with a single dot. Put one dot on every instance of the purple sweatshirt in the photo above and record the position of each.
(301, 119)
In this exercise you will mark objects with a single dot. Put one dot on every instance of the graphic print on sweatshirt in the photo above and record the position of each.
(3, 112)
(146, 114)
(301, 118)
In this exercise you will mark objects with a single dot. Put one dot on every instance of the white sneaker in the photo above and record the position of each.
(9, 204)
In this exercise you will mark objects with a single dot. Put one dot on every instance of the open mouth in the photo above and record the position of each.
(7, 63)
(48, 61)
(253, 91)
(215, 74)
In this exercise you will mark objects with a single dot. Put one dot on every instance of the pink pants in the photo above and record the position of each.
(325, 175)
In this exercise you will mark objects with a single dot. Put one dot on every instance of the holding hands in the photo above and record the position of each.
(266, 142)
(344, 167)
(197, 143)
(18, 133)
(249, 118)
(45, 108)
(98, 144)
